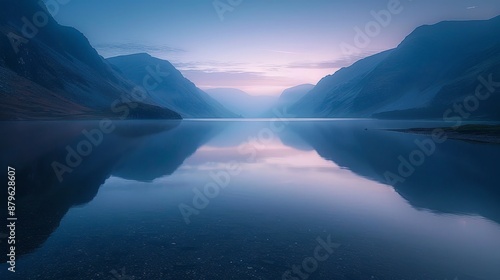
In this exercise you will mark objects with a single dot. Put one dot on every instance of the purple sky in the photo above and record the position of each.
(259, 46)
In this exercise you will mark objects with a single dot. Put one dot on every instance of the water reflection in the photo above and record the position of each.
(459, 178)
(311, 180)
(139, 151)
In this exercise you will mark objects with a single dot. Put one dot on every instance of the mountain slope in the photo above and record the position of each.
(294, 94)
(52, 71)
(241, 102)
(434, 67)
(333, 95)
(287, 99)
(170, 88)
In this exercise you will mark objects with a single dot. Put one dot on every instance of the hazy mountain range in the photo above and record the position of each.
(294, 94)
(288, 98)
(258, 106)
(240, 102)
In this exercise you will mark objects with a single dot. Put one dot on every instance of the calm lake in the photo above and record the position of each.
(250, 200)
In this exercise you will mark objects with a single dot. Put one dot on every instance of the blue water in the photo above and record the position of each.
(258, 198)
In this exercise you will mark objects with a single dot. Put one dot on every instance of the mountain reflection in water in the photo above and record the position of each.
(313, 179)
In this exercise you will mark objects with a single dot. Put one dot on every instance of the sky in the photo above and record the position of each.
(259, 46)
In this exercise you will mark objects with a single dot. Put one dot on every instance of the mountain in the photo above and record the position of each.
(287, 99)
(172, 90)
(49, 71)
(136, 151)
(434, 185)
(433, 68)
(294, 94)
(240, 102)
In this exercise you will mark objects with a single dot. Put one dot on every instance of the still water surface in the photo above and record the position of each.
(251, 200)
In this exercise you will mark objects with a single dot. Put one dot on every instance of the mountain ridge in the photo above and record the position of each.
(172, 89)
(432, 62)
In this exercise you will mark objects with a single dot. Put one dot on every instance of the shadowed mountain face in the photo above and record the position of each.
(49, 71)
(141, 151)
(433, 68)
(174, 91)
(459, 178)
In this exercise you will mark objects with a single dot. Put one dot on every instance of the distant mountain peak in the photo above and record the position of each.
(172, 89)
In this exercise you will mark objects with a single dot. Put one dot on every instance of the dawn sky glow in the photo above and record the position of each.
(260, 46)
